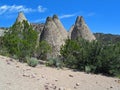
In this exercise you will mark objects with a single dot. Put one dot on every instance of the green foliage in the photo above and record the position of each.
(1, 41)
(107, 38)
(4, 51)
(43, 49)
(32, 62)
(20, 40)
(87, 69)
(54, 62)
(93, 57)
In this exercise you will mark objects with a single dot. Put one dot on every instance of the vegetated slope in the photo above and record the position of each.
(107, 38)
(17, 76)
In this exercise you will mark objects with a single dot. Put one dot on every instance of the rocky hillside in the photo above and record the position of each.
(107, 38)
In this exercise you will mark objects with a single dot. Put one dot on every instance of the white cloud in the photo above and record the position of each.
(18, 8)
(61, 17)
(14, 8)
(41, 9)
(67, 16)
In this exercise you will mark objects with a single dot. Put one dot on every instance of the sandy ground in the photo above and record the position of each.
(18, 76)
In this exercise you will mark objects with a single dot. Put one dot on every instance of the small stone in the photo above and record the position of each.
(33, 76)
(70, 75)
(53, 84)
(17, 66)
(8, 62)
(75, 87)
(77, 84)
(61, 88)
(47, 83)
(46, 88)
(42, 76)
(56, 80)
(26, 75)
(111, 87)
(11, 59)
(54, 87)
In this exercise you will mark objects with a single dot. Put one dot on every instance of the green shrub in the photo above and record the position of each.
(54, 62)
(42, 50)
(20, 40)
(92, 57)
(87, 69)
(15, 57)
(32, 62)
(4, 52)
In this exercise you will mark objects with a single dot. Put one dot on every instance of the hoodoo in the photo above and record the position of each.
(61, 28)
(81, 30)
(21, 17)
(52, 36)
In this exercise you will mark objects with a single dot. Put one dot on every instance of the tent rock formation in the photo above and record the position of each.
(52, 34)
(21, 17)
(81, 30)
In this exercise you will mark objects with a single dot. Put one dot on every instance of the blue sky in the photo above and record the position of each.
(100, 15)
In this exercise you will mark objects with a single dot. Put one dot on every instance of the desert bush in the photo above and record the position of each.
(32, 62)
(4, 51)
(42, 50)
(92, 57)
(54, 62)
(20, 40)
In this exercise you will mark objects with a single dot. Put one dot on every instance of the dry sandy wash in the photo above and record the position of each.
(18, 76)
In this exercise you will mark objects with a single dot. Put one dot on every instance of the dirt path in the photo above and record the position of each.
(18, 76)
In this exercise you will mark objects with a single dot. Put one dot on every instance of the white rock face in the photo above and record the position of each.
(60, 26)
(70, 31)
(52, 35)
(21, 17)
(2, 32)
(81, 30)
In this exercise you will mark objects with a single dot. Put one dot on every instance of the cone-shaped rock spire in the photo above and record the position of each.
(80, 20)
(81, 30)
(52, 35)
(21, 17)
(61, 28)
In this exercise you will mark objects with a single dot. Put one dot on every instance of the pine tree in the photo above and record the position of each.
(20, 40)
